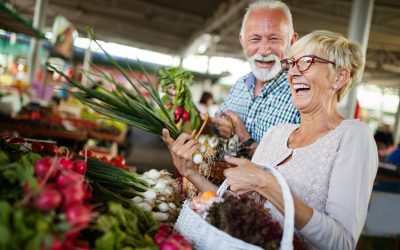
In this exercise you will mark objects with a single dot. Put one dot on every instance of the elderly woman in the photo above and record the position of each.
(329, 163)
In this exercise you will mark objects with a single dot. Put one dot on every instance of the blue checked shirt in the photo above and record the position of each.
(273, 106)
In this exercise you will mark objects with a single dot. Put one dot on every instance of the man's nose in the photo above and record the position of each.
(264, 48)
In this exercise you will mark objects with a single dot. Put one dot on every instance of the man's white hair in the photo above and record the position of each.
(269, 4)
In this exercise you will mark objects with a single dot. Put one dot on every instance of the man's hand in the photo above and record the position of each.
(238, 125)
(182, 150)
(229, 122)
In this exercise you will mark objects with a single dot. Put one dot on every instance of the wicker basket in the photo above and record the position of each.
(204, 236)
(213, 172)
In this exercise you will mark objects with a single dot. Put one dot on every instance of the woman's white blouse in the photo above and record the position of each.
(334, 176)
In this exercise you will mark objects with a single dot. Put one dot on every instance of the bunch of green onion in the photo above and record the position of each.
(120, 104)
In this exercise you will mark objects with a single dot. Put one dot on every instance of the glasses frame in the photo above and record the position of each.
(314, 59)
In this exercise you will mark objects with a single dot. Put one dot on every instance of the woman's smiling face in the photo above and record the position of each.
(311, 89)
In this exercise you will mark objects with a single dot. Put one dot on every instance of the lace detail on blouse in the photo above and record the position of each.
(307, 172)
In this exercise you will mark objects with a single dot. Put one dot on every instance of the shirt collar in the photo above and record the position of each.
(251, 81)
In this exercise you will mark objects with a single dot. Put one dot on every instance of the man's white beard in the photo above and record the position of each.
(265, 74)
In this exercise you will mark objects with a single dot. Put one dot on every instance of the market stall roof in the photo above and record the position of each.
(179, 27)
(13, 22)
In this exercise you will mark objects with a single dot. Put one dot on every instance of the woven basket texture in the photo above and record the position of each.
(204, 236)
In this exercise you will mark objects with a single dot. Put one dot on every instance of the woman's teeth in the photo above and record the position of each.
(300, 87)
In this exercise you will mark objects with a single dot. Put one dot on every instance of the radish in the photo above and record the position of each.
(78, 215)
(159, 238)
(74, 195)
(168, 246)
(65, 163)
(43, 166)
(185, 116)
(80, 166)
(177, 239)
(68, 178)
(88, 190)
(71, 235)
(178, 112)
(56, 244)
(48, 199)
(164, 229)
(82, 245)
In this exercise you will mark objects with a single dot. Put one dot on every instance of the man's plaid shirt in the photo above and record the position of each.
(273, 106)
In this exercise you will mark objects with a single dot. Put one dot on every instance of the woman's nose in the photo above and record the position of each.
(293, 70)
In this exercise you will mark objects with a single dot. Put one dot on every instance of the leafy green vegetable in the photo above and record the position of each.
(177, 80)
(22, 227)
(4, 157)
(120, 230)
(14, 175)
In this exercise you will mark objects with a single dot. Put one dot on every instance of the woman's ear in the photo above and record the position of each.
(341, 78)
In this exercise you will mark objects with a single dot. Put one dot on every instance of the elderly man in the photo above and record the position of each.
(260, 99)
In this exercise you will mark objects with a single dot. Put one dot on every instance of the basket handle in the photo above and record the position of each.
(288, 222)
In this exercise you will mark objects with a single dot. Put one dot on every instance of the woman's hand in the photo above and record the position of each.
(182, 150)
(246, 176)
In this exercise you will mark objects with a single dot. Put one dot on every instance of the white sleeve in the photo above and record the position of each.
(350, 188)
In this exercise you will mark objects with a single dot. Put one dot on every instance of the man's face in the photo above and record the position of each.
(265, 42)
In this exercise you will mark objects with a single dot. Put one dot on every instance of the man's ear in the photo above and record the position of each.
(241, 40)
(294, 38)
(341, 78)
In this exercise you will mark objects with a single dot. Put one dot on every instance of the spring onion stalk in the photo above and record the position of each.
(121, 104)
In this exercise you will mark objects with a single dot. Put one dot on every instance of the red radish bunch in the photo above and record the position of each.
(62, 189)
(181, 113)
(166, 239)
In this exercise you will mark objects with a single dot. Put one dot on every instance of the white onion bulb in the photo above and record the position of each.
(197, 158)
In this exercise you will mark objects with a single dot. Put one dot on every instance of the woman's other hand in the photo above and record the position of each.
(245, 177)
(182, 150)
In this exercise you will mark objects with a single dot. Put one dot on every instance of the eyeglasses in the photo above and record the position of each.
(303, 63)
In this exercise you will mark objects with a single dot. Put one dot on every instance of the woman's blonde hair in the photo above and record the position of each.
(346, 54)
